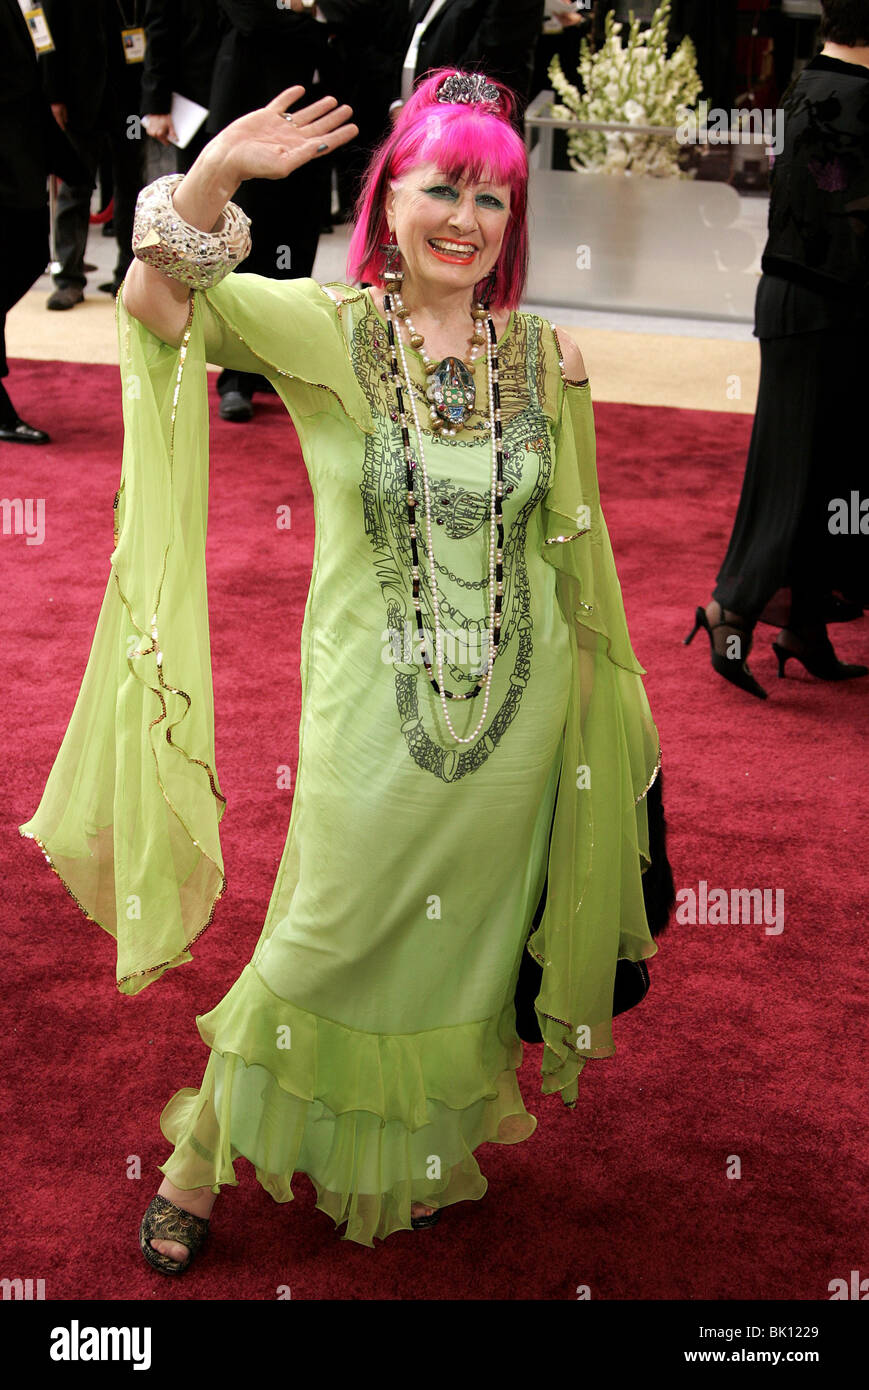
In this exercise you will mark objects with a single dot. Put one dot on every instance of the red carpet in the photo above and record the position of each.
(749, 1045)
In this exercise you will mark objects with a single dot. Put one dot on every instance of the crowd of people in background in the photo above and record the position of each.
(108, 69)
(86, 95)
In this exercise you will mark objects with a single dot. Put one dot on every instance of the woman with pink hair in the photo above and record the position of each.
(474, 737)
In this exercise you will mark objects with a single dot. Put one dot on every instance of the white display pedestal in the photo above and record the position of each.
(634, 243)
(640, 245)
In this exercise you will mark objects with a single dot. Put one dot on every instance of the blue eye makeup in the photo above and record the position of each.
(445, 190)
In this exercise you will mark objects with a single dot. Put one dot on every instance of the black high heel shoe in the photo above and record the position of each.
(820, 661)
(732, 670)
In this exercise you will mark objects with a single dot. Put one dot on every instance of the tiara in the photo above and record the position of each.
(468, 87)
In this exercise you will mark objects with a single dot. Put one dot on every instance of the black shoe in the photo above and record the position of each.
(21, 433)
(820, 660)
(733, 669)
(419, 1223)
(65, 298)
(111, 287)
(235, 406)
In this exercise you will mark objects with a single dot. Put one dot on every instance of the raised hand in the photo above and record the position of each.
(265, 145)
(260, 145)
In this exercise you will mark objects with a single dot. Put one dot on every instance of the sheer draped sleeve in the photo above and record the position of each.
(130, 812)
(599, 848)
(290, 331)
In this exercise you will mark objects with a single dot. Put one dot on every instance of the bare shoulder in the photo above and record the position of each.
(574, 366)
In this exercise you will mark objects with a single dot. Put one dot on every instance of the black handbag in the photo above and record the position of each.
(631, 984)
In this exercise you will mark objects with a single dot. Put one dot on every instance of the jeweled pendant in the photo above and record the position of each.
(451, 391)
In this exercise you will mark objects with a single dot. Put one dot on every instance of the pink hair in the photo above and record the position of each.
(463, 139)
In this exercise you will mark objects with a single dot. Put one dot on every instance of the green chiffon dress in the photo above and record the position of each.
(370, 1042)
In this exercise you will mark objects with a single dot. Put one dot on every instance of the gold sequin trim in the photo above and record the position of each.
(559, 540)
(148, 651)
(29, 835)
(567, 380)
(563, 1021)
(218, 795)
(352, 298)
(115, 505)
(117, 498)
(173, 690)
(152, 969)
(651, 779)
(541, 960)
(566, 1041)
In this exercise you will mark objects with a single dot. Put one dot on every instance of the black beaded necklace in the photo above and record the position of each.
(496, 517)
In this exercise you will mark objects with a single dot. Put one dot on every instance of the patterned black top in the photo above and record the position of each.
(819, 205)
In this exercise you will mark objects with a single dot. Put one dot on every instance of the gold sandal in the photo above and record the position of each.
(164, 1221)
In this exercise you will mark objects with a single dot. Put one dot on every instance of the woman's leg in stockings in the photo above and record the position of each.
(806, 629)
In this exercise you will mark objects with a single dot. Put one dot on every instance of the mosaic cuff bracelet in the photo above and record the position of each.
(163, 239)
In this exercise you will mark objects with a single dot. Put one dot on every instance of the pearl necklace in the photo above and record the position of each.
(496, 532)
(438, 372)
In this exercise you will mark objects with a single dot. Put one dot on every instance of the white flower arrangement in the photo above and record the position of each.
(637, 84)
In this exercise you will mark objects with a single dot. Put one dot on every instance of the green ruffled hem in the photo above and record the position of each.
(376, 1121)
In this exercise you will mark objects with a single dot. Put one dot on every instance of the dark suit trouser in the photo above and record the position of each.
(23, 257)
(72, 218)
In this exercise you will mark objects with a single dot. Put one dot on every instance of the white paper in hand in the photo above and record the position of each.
(187, 117)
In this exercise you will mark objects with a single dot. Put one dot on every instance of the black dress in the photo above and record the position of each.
(788, 561)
